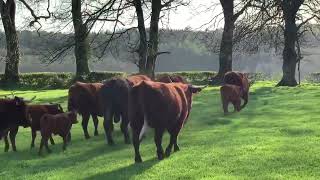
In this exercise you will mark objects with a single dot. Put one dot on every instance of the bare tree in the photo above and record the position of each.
(148, 49)
(232, 10)
(294, 17)
(8, 13)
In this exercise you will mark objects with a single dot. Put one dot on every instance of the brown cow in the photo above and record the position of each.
(239, 79)
(13, 114)
(83, 98)
(171, 78)
(36, 112)
(231, 93)
(114, 94)
(59, 124)
(162, 107)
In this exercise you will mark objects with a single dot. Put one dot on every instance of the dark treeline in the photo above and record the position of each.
(188, 52)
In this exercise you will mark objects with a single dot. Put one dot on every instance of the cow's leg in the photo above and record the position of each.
(136, 145)
(69, 137)
(46, 144)
(158, 141)
(108, 125)
(237, 105)
(136, 127)
(33, 135)
(41, 145)
(6, 147)
(124, 128)
(51, 140)
(225, 104)
(65, 140)
(85, 120)
(245, 98)
(12, 135)
(95, 123)
(173, 141)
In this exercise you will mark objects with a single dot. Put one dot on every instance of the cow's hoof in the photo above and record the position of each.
(160, 155)
(14, 150)
(32, 146)
(138, 160)
(87, 136)
(6, 150)
(168, 152)
(176, 148)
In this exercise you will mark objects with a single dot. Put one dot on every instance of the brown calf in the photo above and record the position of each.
(59, 124)
(239, 79)
(231, 93)
(36, 112)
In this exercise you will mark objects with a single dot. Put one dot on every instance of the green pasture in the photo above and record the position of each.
(277, 136)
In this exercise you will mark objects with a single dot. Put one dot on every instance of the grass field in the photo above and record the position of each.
(277, 136)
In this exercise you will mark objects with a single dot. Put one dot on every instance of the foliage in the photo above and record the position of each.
(58, 80)
(275, 137)
(314, 77)
(48, 80)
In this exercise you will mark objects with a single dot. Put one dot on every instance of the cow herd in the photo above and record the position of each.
(136, 102)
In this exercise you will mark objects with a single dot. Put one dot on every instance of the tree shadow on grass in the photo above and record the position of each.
(126, 172)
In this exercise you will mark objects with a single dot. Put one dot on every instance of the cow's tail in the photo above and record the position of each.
(144, 129)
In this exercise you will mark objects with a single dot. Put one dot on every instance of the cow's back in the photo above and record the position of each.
(171, 79)
(135, 79)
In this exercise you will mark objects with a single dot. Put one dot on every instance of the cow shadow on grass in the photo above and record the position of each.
(126, 172)
(57, 161)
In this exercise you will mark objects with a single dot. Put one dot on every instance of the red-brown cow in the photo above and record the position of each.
(13, 114)
(239, 79)
(59, 124)
(231, 94)
(171, 79)
(114, 95)
(83, 98)
(36, 112)
(162, 107)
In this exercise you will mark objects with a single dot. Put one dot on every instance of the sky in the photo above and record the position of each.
(195, 16)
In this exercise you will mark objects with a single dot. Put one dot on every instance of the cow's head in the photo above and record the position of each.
(23, 116)
(190, 90)
(57, 108)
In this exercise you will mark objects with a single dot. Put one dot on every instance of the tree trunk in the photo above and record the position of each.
(142, 51)
(290, 8)
(154, 38)
(81, 49)
(226, 47)
(8, 9)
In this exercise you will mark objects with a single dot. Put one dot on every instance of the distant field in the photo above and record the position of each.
(277, 136)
